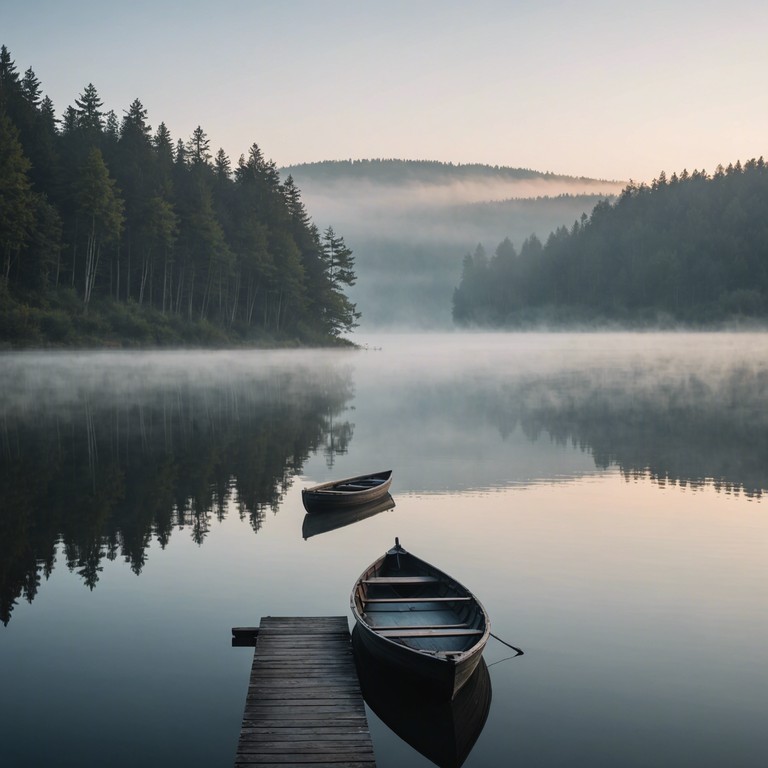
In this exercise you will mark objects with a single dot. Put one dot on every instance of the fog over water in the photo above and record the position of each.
(504, 397)
(684, 368)
(498, 408)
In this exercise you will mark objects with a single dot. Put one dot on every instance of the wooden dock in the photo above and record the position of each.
(304, 706)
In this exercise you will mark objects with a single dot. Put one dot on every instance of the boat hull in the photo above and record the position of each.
(347, 493)
(444, 677)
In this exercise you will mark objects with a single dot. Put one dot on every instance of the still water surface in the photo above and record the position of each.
(603, 495)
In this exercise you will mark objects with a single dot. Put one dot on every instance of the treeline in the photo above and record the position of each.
(394, 171)
(102, 217)
(691, 248)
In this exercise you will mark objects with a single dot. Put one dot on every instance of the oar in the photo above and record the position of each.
(509, 645)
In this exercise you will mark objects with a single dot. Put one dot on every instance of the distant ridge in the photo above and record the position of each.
(396, 171)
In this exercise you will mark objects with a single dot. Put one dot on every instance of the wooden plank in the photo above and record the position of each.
(251, 631)
(351, 749)
(262, 733)
(401, 580)
(286, 760)
(304, 706)
(417, 599)
(428, 632)
(317, 695)
(315, 761)
(378, 627)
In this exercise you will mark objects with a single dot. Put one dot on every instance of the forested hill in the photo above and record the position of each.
(399, 172)
(691, 248)
(112, 233)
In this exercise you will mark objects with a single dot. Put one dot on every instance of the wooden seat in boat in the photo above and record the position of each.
(393, 633)
(418, 600)
(420, 626)
(401, 580)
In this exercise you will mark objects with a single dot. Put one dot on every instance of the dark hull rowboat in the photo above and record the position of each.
(420, 621)
(352, 491)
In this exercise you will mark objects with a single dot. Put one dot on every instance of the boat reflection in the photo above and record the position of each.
(442, 731)
(332, 519)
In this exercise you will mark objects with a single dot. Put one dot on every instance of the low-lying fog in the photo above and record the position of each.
(693, 405)
(410, 231)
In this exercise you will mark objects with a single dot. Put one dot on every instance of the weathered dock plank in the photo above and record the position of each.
(304, 706)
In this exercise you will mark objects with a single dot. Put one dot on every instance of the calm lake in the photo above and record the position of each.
(602, 494)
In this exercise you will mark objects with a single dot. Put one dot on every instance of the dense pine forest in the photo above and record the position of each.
(112, 233)
(689, 249)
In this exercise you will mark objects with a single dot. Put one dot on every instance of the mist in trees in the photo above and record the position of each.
(112, 230)
(411, 220)
(689, 249)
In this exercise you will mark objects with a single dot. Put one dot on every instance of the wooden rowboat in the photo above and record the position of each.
(351, 491)
(420, 621)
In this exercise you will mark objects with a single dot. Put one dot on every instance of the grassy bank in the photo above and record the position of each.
(58, 321)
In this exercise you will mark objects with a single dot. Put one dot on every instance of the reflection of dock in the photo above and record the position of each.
(304, 704)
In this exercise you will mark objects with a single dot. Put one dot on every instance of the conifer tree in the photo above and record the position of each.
(90, 118)
(69, 121)
(30, 87)
(341, 314)
(199, 147)
(164, 160)
(9, 80)
(221, 165)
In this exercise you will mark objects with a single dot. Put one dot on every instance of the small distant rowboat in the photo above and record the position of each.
(351, 491)
(420, 621)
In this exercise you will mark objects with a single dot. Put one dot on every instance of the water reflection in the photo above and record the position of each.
(481, 411)
(443, 731)
(691, 431)
(101, 453)
(103, 458)
(332, 519)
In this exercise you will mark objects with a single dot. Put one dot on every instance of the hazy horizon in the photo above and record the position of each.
(595, 90)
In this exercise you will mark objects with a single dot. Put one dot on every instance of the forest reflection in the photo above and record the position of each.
(101, 456)
(100, 466)
(692, 430)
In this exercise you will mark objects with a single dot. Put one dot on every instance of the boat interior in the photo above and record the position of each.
(360, 485)
(403, 601)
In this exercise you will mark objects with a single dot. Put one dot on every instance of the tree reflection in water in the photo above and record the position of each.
(103, 467)
(101, 454)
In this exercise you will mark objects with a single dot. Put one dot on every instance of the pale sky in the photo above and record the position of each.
(613, 90)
